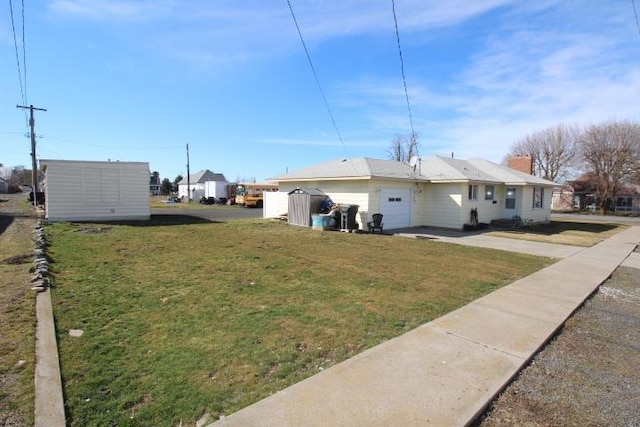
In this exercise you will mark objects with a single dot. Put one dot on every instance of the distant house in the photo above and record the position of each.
(95, 191)
(582, 194)
(198, 184)
(434, 191)
(155, 185)
(4, 186)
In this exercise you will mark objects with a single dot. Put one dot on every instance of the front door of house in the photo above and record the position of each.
(510, 203)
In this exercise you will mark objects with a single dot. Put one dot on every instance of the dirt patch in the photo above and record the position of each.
(589, 375)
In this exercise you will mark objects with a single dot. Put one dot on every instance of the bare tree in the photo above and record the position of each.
(611, 150)
(403, 148)
(554, 150)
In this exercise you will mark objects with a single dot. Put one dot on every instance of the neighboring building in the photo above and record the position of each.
(4, 186)
(582, 194)
(434, 191)
(95, 191)
(155, 184)
(198, 184)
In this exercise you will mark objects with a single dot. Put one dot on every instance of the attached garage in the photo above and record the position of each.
(96, 191)
(395, 205)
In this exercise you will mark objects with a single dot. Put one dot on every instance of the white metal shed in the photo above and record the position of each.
(96, 191)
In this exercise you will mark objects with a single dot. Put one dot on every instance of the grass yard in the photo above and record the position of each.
(183, 320)
(567, 232)
(17, 321)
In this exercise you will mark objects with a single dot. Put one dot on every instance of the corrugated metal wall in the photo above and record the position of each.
(299, 208)
(84, 191)
(302, 203)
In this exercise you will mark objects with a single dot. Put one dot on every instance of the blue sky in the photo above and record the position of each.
(138, 80)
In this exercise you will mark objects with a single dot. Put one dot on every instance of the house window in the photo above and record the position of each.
(538, 197)
(473, 192)
(510, 199)
(488, 192)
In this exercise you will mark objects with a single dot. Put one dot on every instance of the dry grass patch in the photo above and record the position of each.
(17, 322)
(180, 320)
(566, 232)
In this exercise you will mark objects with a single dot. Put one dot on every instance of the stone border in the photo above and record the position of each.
(49, 400)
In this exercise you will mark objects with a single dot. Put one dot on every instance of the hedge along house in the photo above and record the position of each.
(434, 191)
(95, 191)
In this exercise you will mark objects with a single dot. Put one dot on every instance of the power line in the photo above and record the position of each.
(404, 79)
(635, 12)
(315, 75)
(15, 44)
(24, 58)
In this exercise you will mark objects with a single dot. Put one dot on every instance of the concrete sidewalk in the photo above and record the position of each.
(446, 372)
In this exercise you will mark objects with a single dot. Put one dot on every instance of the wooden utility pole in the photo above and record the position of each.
(34, 163)
(188, 178)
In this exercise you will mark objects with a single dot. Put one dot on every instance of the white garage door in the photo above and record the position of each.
(395, 205)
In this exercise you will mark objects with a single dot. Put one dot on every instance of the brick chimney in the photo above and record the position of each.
(522, 163)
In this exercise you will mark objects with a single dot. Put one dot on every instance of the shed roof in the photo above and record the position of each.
(309, 191)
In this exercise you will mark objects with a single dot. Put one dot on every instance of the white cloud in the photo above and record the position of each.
(113, 10)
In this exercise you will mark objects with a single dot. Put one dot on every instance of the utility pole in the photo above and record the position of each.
(188, 178)
(34, 163)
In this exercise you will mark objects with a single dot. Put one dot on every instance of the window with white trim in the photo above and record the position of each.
(489, 191)
(538, 197)
(473, 192)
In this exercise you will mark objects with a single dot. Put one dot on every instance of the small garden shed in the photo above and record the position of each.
(302, 203)
(95, 191)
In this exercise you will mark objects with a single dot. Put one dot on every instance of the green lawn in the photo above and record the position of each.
(180, 320)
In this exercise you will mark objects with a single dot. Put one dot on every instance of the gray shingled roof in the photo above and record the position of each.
(358, 168)
(203, 176)
(440, 169)
(509, 176)
(431, 169)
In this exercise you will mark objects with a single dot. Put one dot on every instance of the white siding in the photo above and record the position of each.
(196, 190)
(92, 191)
(217, 189)
(276, 203)
(528, 212)
(443, 205)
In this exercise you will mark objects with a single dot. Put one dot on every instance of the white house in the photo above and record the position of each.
(434, 191)
(95, 191)
(198, 185)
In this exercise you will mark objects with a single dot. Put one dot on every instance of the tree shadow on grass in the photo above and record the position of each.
(5, 222)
